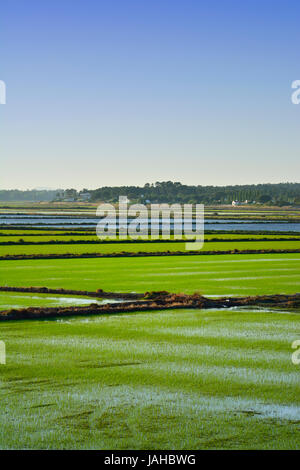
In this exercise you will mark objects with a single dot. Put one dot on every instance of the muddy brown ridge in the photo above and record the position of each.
(22, 242)
(128, 254)
(60, 291)
(149, 301)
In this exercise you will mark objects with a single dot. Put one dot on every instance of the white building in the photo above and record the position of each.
(85, 196)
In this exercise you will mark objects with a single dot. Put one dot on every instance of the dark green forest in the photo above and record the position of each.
(170, 192)
(282, 194)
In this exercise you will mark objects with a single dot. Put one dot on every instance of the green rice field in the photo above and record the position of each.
(207, 274)
(163, 380)
(178, 379)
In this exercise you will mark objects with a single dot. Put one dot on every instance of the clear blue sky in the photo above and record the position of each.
(127, 92)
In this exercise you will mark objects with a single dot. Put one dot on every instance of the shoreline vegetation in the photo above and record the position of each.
(217, 219)
(60, 231)
(36, 225)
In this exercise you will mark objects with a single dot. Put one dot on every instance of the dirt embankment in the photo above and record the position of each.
(128, 254)
(153, 301)
(98, 293)
(128, 242)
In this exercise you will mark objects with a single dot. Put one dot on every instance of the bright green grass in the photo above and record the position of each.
(208, 274)
(148, 246)
(164, 380)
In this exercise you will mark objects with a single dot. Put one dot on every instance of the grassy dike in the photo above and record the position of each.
(144, 247)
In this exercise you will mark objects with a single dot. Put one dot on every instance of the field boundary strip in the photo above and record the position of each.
(99, 293)
(63, 231)
(131, 242)
(140, 254)
(155, 301)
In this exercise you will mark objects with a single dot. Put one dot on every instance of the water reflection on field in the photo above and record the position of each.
(10, 300)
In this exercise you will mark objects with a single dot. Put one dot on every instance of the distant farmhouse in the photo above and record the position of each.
(84, 196)
(71, 195)
(239, 203)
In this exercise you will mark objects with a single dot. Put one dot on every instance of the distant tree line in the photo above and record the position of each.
(34, 195)
(170, 192)
(281, 194)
